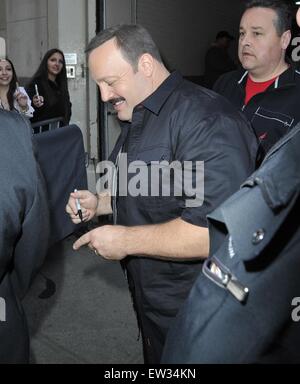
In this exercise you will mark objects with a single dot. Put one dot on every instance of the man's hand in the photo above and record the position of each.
(174, 240)
(88, 203)
(107, 241)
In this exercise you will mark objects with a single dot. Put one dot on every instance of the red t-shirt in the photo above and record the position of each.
(253, 88)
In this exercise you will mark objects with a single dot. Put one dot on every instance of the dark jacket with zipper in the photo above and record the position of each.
(242, 308)
(272, 113)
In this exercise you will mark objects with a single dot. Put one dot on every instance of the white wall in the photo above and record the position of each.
(75, 26)
(92, 112)
(3, 19)
(183, 30)
(52, 20)
(72, 39)
(27, 35)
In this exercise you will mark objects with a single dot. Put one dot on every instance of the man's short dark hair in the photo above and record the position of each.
(133, 41)
(282, 9)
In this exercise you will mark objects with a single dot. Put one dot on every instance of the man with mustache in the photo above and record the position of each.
(160, 239)
(267, 89)
(244, 308)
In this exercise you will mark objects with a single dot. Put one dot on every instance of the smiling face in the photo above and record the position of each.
(55, 65)
(119, 84)
(6, 73)
(261, 50)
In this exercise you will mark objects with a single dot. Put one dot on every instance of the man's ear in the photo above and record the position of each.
(146, 64)
(286, 39)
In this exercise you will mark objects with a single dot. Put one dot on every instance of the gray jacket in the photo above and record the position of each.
(23, 232)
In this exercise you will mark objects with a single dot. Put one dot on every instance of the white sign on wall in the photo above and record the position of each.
(71, 58)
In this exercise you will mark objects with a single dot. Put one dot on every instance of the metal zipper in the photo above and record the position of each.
(221, 275)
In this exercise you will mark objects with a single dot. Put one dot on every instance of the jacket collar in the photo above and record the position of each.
(156, 101)
(287, 78)
(279, 187)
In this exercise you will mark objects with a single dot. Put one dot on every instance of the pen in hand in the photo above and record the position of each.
(78, 206)
(36, 90)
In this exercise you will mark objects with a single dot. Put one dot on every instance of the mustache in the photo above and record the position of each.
(116, 100)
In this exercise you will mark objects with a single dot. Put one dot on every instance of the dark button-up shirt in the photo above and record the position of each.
(184, 122)
(180, 122)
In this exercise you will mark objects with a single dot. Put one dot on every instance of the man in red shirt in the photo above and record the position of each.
(267, 89)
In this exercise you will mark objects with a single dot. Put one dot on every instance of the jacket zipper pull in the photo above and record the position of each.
(238, 290)
(222, 276)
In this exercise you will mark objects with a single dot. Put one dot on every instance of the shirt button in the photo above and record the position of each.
(258, 236)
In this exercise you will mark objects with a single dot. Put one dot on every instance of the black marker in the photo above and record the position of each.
(78, 206)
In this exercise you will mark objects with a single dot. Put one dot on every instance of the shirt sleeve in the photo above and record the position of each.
(222, 150)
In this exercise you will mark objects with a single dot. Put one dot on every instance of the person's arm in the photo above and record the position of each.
(177, 240)
(30, 198)
(104, 204)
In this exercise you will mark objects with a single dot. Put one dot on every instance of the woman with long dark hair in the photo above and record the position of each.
(48, 89)
(13, 97)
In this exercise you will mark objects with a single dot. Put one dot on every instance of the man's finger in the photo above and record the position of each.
(71, 208)
(83, 240)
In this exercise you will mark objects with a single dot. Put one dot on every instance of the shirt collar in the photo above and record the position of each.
(286, 78)
(158, 98)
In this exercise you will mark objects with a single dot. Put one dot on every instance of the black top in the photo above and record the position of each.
(56, 101)
(179, 122)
